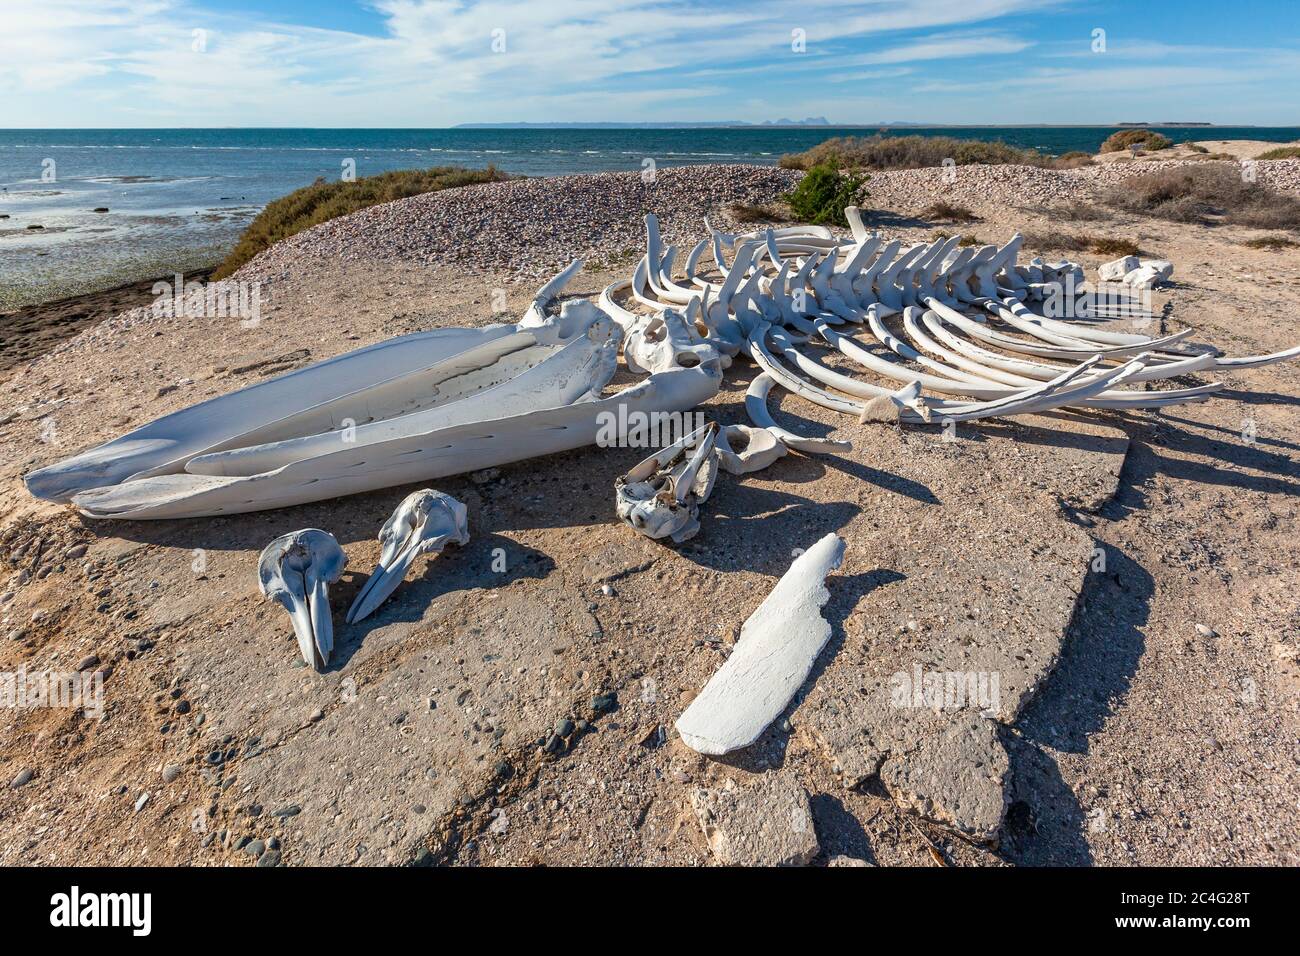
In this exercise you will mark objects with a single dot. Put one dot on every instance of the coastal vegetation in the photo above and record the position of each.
(1206, 194)
(1147, 139)
(1281, 152)
(910, 152)
(323, 201)
(821, 195)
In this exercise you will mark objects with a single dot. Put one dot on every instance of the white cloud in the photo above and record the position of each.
(431, 62)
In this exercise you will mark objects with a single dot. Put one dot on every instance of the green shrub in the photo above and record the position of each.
(323, 201)
(1144, 138)
(822, 194)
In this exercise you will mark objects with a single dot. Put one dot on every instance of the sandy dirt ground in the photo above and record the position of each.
(1076, 556)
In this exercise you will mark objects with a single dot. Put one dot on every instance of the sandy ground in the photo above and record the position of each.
(32, 331)
(1135, 737)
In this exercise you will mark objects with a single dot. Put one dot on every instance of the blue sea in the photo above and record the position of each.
(178, 199)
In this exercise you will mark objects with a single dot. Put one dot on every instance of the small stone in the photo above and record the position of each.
(269, 858)
(484, 476)
(290, 811)
(1205, 631)
(88, 662)
(316, 715)
(182, 707)
(24, 777)
(141, 801)
(243, 842)
(564, 726)
(170, 772)
(606, 590)
(255, 848)
(76, 551)
(273, 843)
(604, 703)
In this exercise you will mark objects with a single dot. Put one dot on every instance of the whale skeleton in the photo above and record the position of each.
(965, 344)
(970, 340)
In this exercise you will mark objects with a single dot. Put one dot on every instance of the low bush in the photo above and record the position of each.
(1205, 194)
(1281, 152)
(822, 195)
(1147, 139)
(744, 212)
(943, 211)
(909, 152)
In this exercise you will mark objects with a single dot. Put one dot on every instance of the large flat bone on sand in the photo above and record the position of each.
(776, 650)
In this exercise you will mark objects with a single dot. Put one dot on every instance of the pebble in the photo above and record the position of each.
(564, 727)
(255, 848)
(76, 551)
(24, 777)
(141, 801)
(604, 703)
(269, 858)
(170, 772)
(290, 811)
(1205, 631)
(87, 662)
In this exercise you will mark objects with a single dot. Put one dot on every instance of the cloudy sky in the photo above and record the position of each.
(428, 63)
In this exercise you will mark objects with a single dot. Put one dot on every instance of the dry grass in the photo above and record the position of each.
(323, 201)
(1073, 160)
(1076, 211)
(966, 240)
(1147, 139)
(909, 152)
(1270, 242)
(943, 211)
(1205, 194)
(1068, 242)
(1281, 152)
(745, 212)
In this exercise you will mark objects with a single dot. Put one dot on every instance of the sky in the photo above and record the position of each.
(432, 63)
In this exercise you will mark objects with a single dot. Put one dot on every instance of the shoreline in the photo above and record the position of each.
(31, 331)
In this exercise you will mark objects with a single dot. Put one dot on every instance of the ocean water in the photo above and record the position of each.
(178, 199)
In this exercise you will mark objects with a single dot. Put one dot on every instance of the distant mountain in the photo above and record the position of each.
(713, 124)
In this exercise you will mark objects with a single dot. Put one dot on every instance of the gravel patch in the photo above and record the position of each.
(912, 189)
(529, 226)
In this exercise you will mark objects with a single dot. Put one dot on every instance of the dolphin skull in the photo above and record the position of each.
(297, 569)
(426, 521)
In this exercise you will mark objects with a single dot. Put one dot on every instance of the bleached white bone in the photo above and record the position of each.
(760, 448)
(777, 648)
(297, 569)
(424, 523)
(661, 496)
